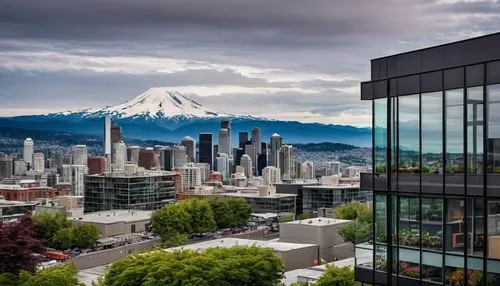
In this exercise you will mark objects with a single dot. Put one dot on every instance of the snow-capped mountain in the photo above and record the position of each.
(162, 114)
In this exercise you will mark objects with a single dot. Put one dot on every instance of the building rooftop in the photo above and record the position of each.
(335, 187)
(320, 221)
(256, 195)
(115, 216)
(138, 175)
(229, 242)
(12, 203)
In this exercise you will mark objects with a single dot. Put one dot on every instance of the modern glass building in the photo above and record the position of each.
(436, 179)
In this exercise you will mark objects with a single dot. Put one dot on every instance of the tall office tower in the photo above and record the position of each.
(205, 171)
(264, 148)
(38, 162)
(116, 133)
(222, 163)
(6, 167)
(80, 154)
(96, 165)
(190, 145)
(224, 145)
(206, 149)
(285, 158)
(251, 151)
(107, 136)
(226, 124)
(333, 168)
(256, 139)
(147, 159)
(191, 176)
(133, 154)
(246, 163)
(271, 175)
(29, 149)
(20, 168)
(120, 155)
(237, 153)
(167, 159)
(180, 156)
(275, 147)
(307, 171)
(261, 163)
(243, 138)
(78, 173)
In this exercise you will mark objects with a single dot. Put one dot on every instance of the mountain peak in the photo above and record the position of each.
(158, 102)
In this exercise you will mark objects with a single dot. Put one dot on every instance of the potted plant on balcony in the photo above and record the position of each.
(456, 277)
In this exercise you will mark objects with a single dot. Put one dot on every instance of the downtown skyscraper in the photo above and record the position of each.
(206, 148)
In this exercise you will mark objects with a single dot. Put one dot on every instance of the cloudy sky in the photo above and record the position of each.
(288, 59)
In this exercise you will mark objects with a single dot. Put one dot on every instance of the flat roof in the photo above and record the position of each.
(115, 216)
(265, 215)
(256, 195)
(319, 221)
(333, 187)
(229, 242)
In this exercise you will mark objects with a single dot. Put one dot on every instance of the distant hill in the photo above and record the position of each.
(325, 146)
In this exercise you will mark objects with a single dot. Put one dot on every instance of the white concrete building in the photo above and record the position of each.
(180, 155)
(271, 175)
(28, 151)
(120, 156)
(190, 176)
(247, 164)
(38, 162)
(80, 155)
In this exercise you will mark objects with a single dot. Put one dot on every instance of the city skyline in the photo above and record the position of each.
(226, 60)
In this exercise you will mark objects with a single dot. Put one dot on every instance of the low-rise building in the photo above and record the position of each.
(331, 196)
(28, 193)
(149, 190)
(14, 209)
(117, 222)
(321, 231)
(293, 255)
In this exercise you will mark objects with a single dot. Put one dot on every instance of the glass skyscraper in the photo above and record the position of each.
(436, 167)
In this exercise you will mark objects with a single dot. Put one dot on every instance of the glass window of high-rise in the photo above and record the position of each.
(436, 167)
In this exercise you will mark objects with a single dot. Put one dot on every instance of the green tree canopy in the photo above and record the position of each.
(175, 222)
(231, 212)
(62, 275)
(85, 235)
(336, 276)
(352, 211)
(360, 230)
(63, 238)
(217, 266)
(47, 224)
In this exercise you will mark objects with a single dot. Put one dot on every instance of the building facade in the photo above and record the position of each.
(436, 152)
(28, 151)
(206, 147)
(149, 191)
(190, 145)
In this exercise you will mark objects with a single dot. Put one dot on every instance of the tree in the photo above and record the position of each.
(62, 275)
(352, 210)
(175, 222)
(63, 238)
(360, 229)
(303, 216)
(217, 266)
(48, 224)
(85, 235)
(19, 245)
(336, 276)
(231, 212)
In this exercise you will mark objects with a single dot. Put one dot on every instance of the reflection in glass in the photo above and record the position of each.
(475, 227)
(475, 106)
(394, 143)
(409, 143)
(409, 221)
(493, 94)
(432, 133)
(454, 270)
(455, 228)
(494, 229)
(432, 266)
(409, 263)
(380, 133)
(381, 258)
(454, 131)
(432, 223)
(381, 218)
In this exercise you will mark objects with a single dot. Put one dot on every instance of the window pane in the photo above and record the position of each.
(409, 263)
(475, 227)
(454, 140)
(455, 237)
(494, 229)
(454, 270)
(381, 258)
(380, 109)
(432, 266)
(493, 95)
(409, 221)
(394, 143)
(432, 142)
(432, 224)
(475, 107)
(381, 218)
(409, 143)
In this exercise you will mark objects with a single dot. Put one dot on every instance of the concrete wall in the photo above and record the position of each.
(108, 256)
(255, 235)
(118, 228)
(299, 258)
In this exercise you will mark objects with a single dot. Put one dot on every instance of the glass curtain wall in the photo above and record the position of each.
(493, 143)
(454, 114)
(380, 143)
(409, 143)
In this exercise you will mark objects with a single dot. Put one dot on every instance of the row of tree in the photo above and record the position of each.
(216, 266)
(56, 231)
(62, 275)
(176, 222)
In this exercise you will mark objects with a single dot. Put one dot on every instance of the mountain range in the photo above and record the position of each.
(162, 114)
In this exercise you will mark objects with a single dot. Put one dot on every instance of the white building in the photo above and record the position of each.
(251, 151)
(247, 164)
(190, 176)
(307, 171)
(205, 171)
(80, 155)
(332, 168)
(271, 175)
(180, 155)
(222, 164)
(133, 154)
(351, 171)
(29, 149)
(120, 156)
(38, 162)
(256, 140)
(190, 145)
(75, 174)
(224, 145)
